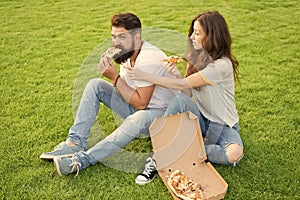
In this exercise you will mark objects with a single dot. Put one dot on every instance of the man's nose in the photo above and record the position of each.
(115, 41)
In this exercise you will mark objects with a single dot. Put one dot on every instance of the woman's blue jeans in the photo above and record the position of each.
(135, 122)
(216, 136)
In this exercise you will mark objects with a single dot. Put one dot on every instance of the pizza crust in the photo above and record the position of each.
(112, 51)
(172, 59)
(183, 187)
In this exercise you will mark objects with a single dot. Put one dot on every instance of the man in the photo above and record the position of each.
(137, 102)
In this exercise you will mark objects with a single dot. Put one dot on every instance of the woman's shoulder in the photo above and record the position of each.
(223, 61)
(223, 64)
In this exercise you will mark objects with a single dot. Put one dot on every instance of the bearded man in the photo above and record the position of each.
(137, 102)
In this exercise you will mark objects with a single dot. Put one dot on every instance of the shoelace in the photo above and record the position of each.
(149, 168)
(75, 166)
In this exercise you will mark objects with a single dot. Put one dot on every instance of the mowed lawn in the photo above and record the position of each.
(49, 49)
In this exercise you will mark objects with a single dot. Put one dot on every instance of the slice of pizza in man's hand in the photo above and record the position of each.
(112, 51)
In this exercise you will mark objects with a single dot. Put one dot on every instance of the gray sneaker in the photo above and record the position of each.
(61, 150)
(66, 165)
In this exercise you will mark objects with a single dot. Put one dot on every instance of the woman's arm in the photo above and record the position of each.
(193, 81)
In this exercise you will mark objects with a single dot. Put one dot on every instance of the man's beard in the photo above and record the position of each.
(124, 54)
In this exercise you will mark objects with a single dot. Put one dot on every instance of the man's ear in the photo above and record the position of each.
(137, 38)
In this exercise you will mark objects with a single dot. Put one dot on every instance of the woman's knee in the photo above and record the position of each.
(177, 103)
(181, 97)
(234, 152)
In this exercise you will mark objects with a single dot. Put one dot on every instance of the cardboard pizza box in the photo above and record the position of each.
(178, 145)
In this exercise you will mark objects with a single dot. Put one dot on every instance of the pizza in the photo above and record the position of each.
(183, 187)
(172, 59)
(112, 51)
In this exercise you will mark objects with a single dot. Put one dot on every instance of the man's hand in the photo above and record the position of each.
(107, 68)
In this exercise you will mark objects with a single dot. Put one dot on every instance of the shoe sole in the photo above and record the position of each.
(56, 165)
(148, 181)
(49, 158)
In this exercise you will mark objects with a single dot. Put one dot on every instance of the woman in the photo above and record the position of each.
(210, 77)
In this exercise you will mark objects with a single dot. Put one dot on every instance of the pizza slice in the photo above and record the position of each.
(183, 187)
(112, 51)
(172, 59)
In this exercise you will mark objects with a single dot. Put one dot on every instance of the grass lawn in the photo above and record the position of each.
(49, 49)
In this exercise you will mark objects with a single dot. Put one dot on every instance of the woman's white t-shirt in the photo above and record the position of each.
(216, 99)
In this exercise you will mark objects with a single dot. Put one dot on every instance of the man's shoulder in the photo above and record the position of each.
(147, 45)
(150, 48)
(150, 56)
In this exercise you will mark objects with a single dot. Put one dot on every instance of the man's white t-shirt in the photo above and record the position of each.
(150, 60)
(216, 100)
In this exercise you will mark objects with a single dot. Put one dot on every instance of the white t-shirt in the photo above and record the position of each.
(150, 60)
(216, 100)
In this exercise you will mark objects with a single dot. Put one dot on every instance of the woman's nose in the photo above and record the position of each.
(192, 36)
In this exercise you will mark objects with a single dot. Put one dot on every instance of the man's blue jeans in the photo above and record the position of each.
(216, 136)
(135, 122)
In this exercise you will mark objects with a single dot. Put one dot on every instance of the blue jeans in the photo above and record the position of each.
(216, 136)
(135, 122)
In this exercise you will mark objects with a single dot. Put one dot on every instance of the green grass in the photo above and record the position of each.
(46, 47)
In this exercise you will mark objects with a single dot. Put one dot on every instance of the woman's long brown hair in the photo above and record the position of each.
(217, 42)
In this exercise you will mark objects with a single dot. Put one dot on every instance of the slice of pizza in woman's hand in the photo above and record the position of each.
(183, 187)
(112, 51)
(172, 59)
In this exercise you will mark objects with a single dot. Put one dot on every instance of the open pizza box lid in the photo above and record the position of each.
(178, 145)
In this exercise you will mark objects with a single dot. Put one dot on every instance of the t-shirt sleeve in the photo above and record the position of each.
(211, 75)
(152, 68)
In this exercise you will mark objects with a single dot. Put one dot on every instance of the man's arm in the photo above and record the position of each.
(138, 98)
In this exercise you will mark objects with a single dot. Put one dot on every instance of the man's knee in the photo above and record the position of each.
(119, 138)
(234, 152)
(93, 82)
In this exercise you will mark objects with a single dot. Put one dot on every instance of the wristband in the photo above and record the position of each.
(116, 80)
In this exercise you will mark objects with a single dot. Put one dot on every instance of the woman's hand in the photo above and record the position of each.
(172, 69)
(136, 74)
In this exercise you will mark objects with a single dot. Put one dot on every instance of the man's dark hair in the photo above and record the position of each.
(128, 21)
